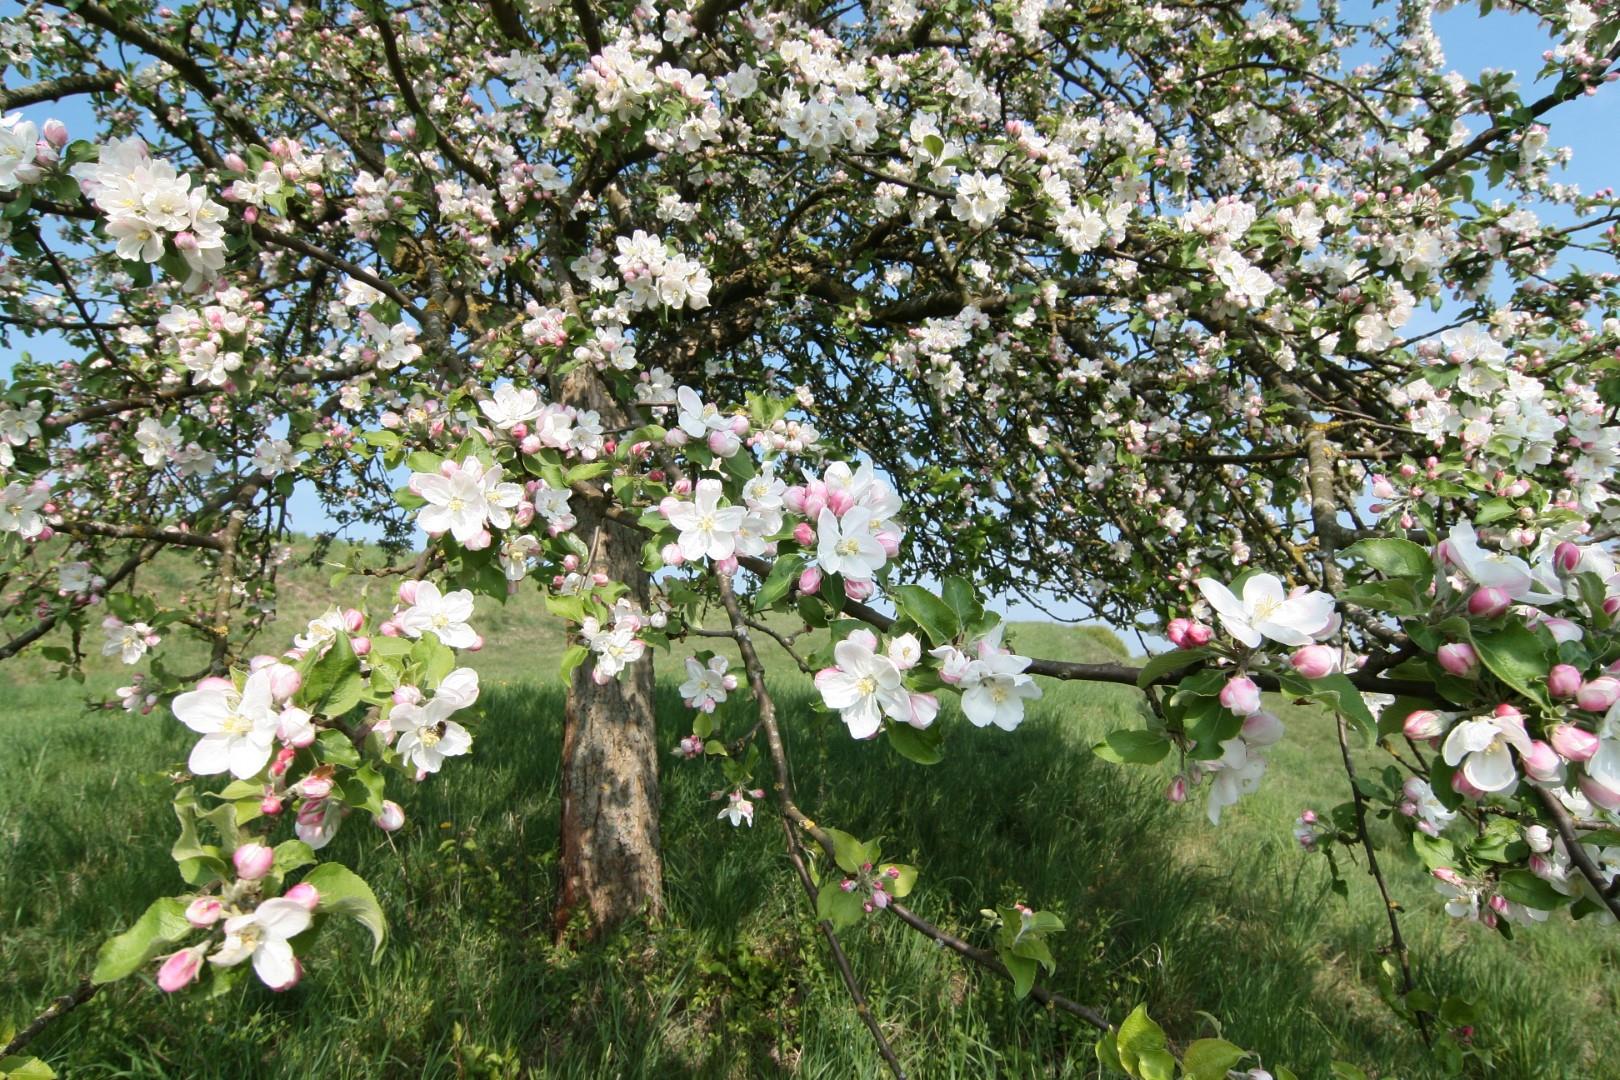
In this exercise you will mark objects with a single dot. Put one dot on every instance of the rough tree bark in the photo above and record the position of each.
(611, 868)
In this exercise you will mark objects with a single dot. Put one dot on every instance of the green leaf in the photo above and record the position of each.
(1132, 747)
(784, 573)
(1139, 1035)
(292, 854)
(572, 657)
(335, 748)
(960, 596)
(1523, 887)
(1208, 1059)
(901, 885)
(1515, 655)
(161, 925)
(1435, 851)
(17, 1067)
(1338, 693)
(1022, 969)
(1108, 1053)
(922, 746)
(1157, 1065)
(334, 684)
(928, 611)
(842, 909)
(1167, 663)
(848, 852)
(1343, 1070)
(343, 892)
(1393, 558)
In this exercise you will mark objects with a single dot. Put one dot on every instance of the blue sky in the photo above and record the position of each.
(1590, 126)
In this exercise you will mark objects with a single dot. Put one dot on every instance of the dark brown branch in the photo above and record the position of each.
(60, 1007)
(1577, 851)
(1561, 94)
(589, 29)
(89, 82)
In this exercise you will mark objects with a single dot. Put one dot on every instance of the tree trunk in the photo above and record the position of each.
(611, 868)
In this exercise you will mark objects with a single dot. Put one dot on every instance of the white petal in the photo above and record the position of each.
(211, 755)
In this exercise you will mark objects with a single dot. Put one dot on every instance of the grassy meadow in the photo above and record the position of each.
(1198, 922)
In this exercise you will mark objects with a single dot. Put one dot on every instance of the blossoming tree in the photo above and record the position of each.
(795, 312)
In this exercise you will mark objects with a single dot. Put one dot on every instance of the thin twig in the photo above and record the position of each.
(60, 1007)
(784, 790)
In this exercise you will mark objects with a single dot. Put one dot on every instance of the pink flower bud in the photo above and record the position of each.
(1542, 763)
(1459, 658)
(726, 566)
(1241, 695)
(1460, 784)
(1315, 661)
(739, 425)
(270, 805)
(723, 443)
(253, 861)
(1603, 796)
(810, 580)
(1424, 724)
(55, 132)
(204, 912)
(840, 501)
(858, 590)
(1177, 791)
(391, 818)
(179, 970)
(889, 541)
(304, 895)
(1177, 632)
(1489, 602)
(479, 541)
(531, 444)
(793, 498)
(284, 680)
(390, 628)
(407, 592)
(1573, 743)
(315, 787)
(477, 643)
(360, 645)
(234, 162)
(804, 534)
(675, 438)
(1599, 694)
(1199, 634)
(672, 555)
(1566, 557)
(250, 214)
(1563, 681)
(215, 682)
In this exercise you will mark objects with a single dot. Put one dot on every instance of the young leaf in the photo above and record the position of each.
(1393, 557)
(1208, 1059)
(343, 892)
(923, 746)
(161, 925)
(928, 611)
(1166, 663)
(1132, 747)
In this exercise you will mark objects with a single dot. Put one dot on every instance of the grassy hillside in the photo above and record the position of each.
(1161, 907)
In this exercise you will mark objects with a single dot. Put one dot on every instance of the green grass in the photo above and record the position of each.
(1160, 907)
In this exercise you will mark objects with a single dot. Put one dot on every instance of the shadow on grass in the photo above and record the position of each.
(733, 981)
